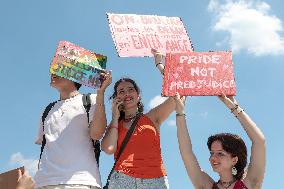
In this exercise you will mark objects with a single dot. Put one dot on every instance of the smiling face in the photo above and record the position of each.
(127, 93)
(221, 161)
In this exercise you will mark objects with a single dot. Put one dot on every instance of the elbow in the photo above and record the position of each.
(108, 149)
(96, 135)
(260, 140)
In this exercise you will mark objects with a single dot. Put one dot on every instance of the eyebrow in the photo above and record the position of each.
(127, 88)
(218, 151)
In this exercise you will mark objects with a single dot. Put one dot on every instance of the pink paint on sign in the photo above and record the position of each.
(199, 74)
(135, 35)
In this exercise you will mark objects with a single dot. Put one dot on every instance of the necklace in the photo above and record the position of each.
(126, 120)
(226, 183)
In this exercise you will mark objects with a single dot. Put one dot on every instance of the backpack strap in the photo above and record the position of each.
(87, 105)
(44, 115)
(96, 143)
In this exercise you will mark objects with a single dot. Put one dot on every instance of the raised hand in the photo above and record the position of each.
(229, 101)
(158, 57)
(106, 78)
(25, 181)
(180, 103)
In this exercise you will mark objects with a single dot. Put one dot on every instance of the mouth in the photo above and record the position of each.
(127, 100)
(214, 165)
(53, 78)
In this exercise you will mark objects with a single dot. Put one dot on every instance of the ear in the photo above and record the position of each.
(235, 160)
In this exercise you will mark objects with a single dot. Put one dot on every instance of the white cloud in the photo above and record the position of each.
(157, 100)
(250, 26)
(171, 122)
(19, 160)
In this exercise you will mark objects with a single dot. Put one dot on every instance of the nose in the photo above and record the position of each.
(213, 156)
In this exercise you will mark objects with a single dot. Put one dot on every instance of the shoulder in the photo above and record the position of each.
(149, 117)
(92, 98)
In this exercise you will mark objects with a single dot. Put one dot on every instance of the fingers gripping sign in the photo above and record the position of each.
(180, 103)
(106, 78)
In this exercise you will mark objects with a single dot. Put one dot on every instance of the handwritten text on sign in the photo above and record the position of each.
(135, 35)
(78, 64)
(199, 74)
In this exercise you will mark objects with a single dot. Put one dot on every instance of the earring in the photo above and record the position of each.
(234, 171)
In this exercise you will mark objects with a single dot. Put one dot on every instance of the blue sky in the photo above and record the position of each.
(253, 30)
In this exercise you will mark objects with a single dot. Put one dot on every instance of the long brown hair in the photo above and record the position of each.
(234, 145)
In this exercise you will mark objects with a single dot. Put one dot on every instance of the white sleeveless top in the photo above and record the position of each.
(68, 156)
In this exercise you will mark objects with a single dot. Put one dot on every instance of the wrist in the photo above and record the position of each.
(113, 126)
(100, 92)
(236, 111)
(178, 114)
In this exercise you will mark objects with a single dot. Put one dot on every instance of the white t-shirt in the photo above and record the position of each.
(68, 156)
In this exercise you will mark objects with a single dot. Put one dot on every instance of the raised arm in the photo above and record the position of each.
(98, 125)
(199, 179)
(256, 168)
(109, 142)
(161, 112)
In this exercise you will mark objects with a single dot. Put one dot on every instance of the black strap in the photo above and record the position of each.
(124, 143)
(87, 104)
(44, 115)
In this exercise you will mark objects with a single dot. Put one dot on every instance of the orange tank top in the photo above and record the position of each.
(141, 158)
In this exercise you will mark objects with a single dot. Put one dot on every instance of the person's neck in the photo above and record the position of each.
(68, 94)
(226, 178)
(130, 113)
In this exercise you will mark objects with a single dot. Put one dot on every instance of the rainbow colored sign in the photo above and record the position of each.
(199, 74)
(78, 64)
(135, 35)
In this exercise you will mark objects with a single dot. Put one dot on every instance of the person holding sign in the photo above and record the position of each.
(68, 159)
(138, 164)
(228, 153)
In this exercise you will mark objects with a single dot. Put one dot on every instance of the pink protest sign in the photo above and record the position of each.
(78, 64)
(199, 74)
(135, 35)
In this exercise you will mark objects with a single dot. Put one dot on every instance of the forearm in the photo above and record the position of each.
(191, 164)
(253, 132)
(109, 142)
(184, 141)
(98, 125)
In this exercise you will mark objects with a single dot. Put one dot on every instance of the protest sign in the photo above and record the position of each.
(78, 64)
(9, 179)
(199, 74)
(135, 35)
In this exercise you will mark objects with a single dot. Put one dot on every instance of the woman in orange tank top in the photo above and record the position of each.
(228, 152)
(140, 164)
